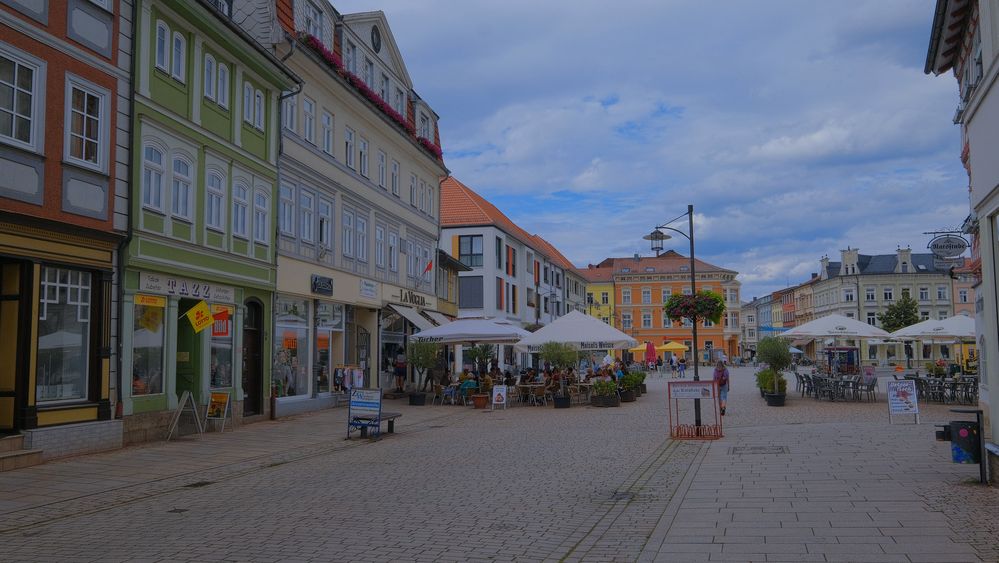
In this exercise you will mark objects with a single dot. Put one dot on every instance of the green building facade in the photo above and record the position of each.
(205, 139)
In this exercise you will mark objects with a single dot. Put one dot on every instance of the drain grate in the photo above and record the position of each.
(198, 484)
(751, 450)
(177, 511)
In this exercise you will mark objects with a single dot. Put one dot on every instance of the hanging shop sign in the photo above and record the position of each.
(183, 287)
(948, 246)
(200, 316)
(222, 320)
(368, 289)
(322, 285)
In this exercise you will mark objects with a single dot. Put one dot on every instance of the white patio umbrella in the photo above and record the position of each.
(958, 327)
(836, 326)
(580, 331)
(472, 331)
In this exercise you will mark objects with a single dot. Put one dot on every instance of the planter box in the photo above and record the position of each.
(562, 402)
(644, 388)
(418, 399)
(628, 396)
(605, 401)
(775, 399)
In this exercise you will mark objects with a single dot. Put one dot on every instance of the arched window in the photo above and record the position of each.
(261, 217)
(210, 77)
(248, 103)
(152, 178)
(223, 86)
(240, 205)
(180, 193)
(214, 200)
(179, 68)
(162, 41)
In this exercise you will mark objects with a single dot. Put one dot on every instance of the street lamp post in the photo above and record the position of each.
(657, 236)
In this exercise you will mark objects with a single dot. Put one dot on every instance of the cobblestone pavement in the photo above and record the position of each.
(456, 484)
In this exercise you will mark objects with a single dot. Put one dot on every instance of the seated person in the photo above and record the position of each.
(487, 383)
(465, 376)
(589, 374)
(508, 379)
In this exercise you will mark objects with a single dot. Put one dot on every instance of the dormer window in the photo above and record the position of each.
(424, 126)
(349, 57)
(905, 267)
(312, 20)
(399, 102)
(369, 72)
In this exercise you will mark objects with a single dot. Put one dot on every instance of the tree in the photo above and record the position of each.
(480, 355)
(776, 352)
(900, 314)
(422, 356)
(558, 354)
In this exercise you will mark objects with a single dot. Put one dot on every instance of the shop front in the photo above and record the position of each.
(164, 354)
(404, 312)
(55, 340)
(322, 345)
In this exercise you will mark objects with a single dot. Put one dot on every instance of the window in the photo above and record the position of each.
(942, 315)
(248, 103)
(848, 294)
(312, 20)
(306, 212)
(178, 70)
(369, 72)
(500, 293)
(214, 200)
(666, 322)
(470, 250)
(646, 319)
(395, 178)
(604, 298)
(348, 233)
(871, 293)
(427, 270)
(962, 295)
(85, 109)
(667, 292)
(223, 86)
(152, 178)
(162, 38)
(924, 315)
(309, 120)
(412, 190)
(260, 217)
(382, 160)
(430, 202)
(924, 294)
(362, 238)
(410, 259)
(686, 290)
(288, 113)
(148, 344)
(362, 153)
(889, 293)
(626, 296)
(750, 319)
(348, 146)
(423, 196)
(941, 292)
(393, 252)
(708, 323)
(258, 110)
(424, 126)
(325, 223)
(626, 321)
(220, 347)
(646, 296)
(209, 68)
(63, 335)
(400, 101)
(350, 57)
(512, 258)
(180, 194)
(379, 246)
(499, 253)
(327, 133)
(240, 203)
(286, 211)
(383, 88)
(872, 319)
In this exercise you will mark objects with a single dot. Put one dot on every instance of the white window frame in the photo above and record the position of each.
(646, 319)
(289, 113)
(423, 196)
(400, 101)
(309, 119)
(180, 183)
(210, 77)
(962, 295)
(258, 109)
(178, 66)
(36, 128)
(942, 293)
(286, 210)
(384, 87)
(626, 296)
(215, 201)
(395, 178)
(327, 122)
(424, 126)
(379, 246)
(412, 190)
(626, 321)
(103, 122)
(248, 103)
(162, 51)
(223, 86)
(348, 147)
(325, 213)
(393, 251)
(362, 154)
(924, 294)
(350, 57)
(430, 201)
(148, 169)
(261, 217)
(646, 296)
(241, 194)
(382, 163)
(361, 230)
(347, 220)
(312, 20)
(306, 216)
(888, 293)
(369, 72)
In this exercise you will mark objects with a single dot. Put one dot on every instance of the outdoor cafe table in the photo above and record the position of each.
(525, 390)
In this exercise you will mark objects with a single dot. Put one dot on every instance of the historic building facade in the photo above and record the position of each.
(64, 111)
(599, 292)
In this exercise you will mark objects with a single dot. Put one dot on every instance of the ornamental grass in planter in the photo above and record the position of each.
(605, 394)
(628, 384)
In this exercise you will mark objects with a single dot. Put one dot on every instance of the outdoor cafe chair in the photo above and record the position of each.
(539, 395)
(438, 394)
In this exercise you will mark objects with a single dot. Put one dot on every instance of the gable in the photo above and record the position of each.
(369, 27)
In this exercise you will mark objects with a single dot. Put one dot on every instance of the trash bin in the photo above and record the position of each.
(965, 445)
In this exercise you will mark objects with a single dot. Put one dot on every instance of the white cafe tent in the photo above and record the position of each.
(836, 326)
(580, 331)
(958, 327)
(472, 331)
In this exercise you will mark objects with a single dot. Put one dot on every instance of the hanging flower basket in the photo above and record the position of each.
(703, 305)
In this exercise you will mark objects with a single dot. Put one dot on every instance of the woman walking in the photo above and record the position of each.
(721, 378)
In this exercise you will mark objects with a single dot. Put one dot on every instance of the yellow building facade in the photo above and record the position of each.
(599, 292)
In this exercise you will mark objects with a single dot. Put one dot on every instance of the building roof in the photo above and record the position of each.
(669, 262)
(445, 260)
(885, 264)
(950, 19)
(554, 256)
(595, 274)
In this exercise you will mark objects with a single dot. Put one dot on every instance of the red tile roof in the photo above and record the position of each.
(596, 274)
(669, 262)
(554, 256)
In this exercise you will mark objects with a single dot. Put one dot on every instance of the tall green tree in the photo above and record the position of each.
(423, 357)
(900, 314)
(558, 354)
(776, 352)
(480, 355)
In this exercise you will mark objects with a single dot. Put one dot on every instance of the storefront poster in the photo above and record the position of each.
(200, 316)
(365, 402)
(902, 397)
(368, 289)
(499, 395)
(218, 405)
(150, 312)
(182, 287)
(221, 315)
(691, 390)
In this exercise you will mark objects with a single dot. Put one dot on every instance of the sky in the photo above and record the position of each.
(796, 129)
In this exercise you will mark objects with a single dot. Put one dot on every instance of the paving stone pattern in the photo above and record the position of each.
(525, 484)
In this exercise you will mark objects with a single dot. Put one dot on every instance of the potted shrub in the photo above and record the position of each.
(422, 356)
(605, 394)
(764, 380)
(479, 400)
(776, 353)
(561, 356)
(628, 384)
(641, 382)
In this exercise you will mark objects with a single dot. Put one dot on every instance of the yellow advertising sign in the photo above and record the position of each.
(200, 316)
(150, 300)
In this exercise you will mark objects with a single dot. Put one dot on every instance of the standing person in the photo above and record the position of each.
(400, 372)
(673, 364)
(659, 364)
(721, 378)
(681, 367)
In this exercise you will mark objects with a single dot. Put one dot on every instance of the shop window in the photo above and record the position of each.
(148, 342)
(63, 335)
(221, 346)
(291, 348)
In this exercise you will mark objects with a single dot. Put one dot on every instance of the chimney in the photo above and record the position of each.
(637, 257)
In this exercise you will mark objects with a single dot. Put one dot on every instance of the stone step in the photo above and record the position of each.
(19, 459)
(11, 443)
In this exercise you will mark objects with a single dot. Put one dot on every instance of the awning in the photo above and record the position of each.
(437, 317)
(801, 342)
(412, 316)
